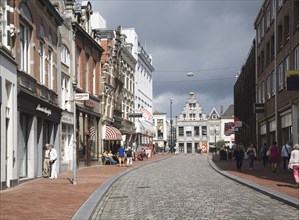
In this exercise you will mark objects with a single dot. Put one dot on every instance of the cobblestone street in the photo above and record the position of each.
(186, 187)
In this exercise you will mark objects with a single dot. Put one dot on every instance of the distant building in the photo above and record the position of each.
(227, 127)
(192, 127)
(161, 125)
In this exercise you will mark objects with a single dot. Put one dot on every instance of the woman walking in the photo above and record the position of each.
(251, 153)
(274, 156)
(294, 163)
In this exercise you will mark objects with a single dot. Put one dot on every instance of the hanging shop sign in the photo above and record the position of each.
(82, 96)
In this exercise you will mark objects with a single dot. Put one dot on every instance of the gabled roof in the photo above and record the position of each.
(229, 113)
(214, 111)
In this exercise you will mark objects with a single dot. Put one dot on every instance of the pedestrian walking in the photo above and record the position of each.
(251, 155)
(285, 154)
(274, 156)
(47, 166)
(238, 153)
(294, 163)
(53, 162)
(129, 156)
(121, 156)
(263, 154)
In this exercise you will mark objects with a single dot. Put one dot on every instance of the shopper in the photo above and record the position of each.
(285, 154)
(274, 156)
(47, 166)
(251, 155)
(294, 163)
(129, 157)
(263, 154)
(121, 156)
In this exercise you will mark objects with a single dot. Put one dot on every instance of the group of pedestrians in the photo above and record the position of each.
(120, 156)
(290, 157)
(50, 162)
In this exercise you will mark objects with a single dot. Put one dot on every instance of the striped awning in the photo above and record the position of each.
(112, 133)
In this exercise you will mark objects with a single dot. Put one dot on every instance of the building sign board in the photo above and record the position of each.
(135, 115)
(82, 96)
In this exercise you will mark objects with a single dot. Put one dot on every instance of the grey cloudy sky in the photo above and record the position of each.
(210, 38)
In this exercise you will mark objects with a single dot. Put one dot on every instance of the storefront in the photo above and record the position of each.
(145, 132)
(112, 139)
(38, 124)
(88, 145)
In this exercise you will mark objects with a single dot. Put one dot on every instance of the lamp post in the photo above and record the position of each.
(171, 124)
(75, 135)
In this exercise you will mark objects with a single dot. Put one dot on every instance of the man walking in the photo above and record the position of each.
(46, 170)
(121, 155)
(285, 154)
(53, 162)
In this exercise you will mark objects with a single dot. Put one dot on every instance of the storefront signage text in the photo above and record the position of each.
(44, 110)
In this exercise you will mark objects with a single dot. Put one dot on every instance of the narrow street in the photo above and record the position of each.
(186, 187)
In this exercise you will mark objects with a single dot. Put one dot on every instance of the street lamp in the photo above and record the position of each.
(75, 135)
(171, 124)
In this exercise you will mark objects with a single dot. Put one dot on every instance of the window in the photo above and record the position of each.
(181, 131)
(78, 67)
(94, 82)
(272, 47)
(258, 30)
(65, 56)
(273, 76)
(196, 130)
(65, 92)
(42, 64)
(262, 61)
(188, 133)
(268, 17)
(296, 14)
(297, 58)
(263, 92)
(280, 76)
(262, 27)
(268, 53)
(286, 26)
(86, 76)
(279, 37)
(24, 48)
(269, 87)
(50, 69)
(204, 130)
(184, 116)
(259, 95)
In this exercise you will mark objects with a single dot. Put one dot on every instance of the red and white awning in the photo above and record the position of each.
(112, 133)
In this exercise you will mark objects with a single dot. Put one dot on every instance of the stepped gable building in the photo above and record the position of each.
(277, 52)
(192, 127)
(214, 129)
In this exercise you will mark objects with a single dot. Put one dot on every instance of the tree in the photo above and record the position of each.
(220, 144)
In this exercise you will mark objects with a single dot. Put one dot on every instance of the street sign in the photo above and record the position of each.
(82, 96)
(135, 115)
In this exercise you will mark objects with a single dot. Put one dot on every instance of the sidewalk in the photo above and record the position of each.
(59, 199)
(280, 185)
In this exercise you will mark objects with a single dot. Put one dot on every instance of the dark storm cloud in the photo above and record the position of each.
(210, 38)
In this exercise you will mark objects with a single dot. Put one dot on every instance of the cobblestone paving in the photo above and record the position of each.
(185, 188)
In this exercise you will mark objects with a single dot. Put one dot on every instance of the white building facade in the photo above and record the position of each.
(192, 127)
(145, 130)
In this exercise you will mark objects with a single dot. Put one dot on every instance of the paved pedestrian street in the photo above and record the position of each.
(186, 187)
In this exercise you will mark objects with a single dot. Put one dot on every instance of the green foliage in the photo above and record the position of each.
(220, 144)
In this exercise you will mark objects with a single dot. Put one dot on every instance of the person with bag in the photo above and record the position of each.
(294, 163)
(285, 154)
(47, 166)
(251, 155)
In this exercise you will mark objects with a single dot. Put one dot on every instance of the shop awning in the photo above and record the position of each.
(112, 133)
(145, 127)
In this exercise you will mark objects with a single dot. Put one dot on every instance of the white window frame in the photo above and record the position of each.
(42, 63)
(268, 16)
(65, 56)
(273, 9)
(262, 27)
(65, 92)
(94, 81)
(50, 69)
(25, 39)
(286, 66)
(86, 73)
